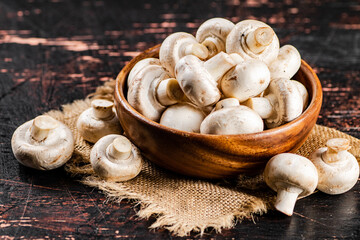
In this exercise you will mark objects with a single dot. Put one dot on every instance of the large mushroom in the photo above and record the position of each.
(153, 89)
(183, 116)
(337, 168)
(281, 103)
(253, 40)
(98, 120)
(199, 79)
(178, 45)
(247, 79)
(291, 176)
(212, 34)
(286, 64)
(229, 117)
(115, 158)
(42, 143)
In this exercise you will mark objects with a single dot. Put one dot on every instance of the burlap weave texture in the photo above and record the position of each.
(181, 204)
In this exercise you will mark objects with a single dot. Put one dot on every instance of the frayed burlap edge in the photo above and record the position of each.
(251, 193)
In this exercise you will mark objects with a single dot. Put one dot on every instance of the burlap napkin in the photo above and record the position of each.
(182, 204)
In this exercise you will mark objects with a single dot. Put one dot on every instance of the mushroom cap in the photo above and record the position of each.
(287, 170)
(246, 80)
(196, 82)
(217, 28)
(286, 64)
(286, 100)
(139, 66)
(112, 169)
(52, 152)
(183, 116)
(335, 177)
(232, 120)
(303, 92)
(92, 128)
(174, 47)
(226, 103)
(236, 42)
(142, 93)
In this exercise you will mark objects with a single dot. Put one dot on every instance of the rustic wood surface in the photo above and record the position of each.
(55, 51)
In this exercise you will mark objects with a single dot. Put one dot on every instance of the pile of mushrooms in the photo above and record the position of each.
(238, 67)
(331, 169)
(45, 143)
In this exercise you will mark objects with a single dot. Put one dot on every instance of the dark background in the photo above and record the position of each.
(53, 52)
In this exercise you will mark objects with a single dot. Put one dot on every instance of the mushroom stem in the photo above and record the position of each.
(214, 45)
(260, 105)
(196, 49)
(119, 149)
(102, 108)
(41, 127)
(218, 65)
(336, 148)
(168, 92)
(286, 199)
(259, 39)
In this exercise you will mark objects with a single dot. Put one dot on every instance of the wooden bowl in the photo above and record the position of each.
(214, 156)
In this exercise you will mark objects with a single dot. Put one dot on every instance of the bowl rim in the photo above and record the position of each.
(311, 110)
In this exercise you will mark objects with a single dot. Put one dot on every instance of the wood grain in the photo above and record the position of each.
(53, 52)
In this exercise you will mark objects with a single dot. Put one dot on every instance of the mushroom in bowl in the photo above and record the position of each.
(214, 156)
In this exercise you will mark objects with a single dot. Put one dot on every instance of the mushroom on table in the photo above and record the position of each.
(291, 176)
(98, 120)
(43, 143)
(337, 168)
(115, 158)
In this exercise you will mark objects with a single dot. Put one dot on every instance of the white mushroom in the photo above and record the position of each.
(139, 66)
(337, 168)
(212, 34)
(98, 120)
(115, 158)
(291, 176)
(303, 92)
(199, 80)
(42, 143)
(253, 40)
(247, 79)
(152, 89)
(226, 103)
(232, 119)
(286, 64)
(183, 116)
(178, 45)
(281, 103)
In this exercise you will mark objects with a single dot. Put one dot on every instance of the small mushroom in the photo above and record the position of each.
(337, 168)
(115, 158)
(212, 34)
(139, 66)
(98, 120)
(226, 103)
(247, 79)
(183, 116)
(231, 119)
(152, 89)
(281, 103)
(286, 64)
(303, 92)
(178, 45)
(42, 143)
(253, 40)
(291, 176)
(199, 80)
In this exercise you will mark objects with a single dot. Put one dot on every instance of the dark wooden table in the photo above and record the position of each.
(53, 52)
